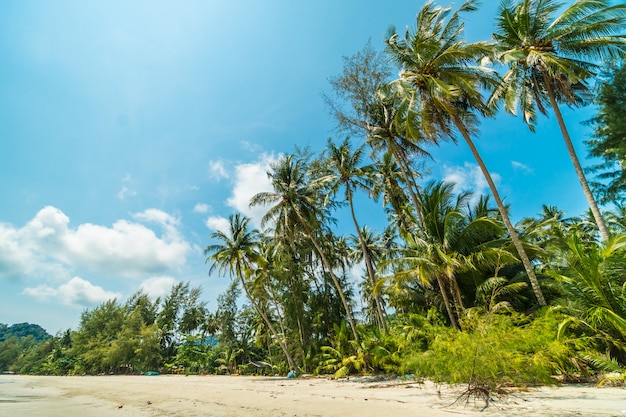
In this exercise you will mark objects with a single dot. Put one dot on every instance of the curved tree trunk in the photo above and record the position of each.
(368, 265)
(597, 215)
(456, 295)
(446, 302)
(505, 216)
(281, 342)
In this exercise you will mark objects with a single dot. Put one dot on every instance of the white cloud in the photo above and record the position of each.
(217, 170)
(48, 245)
(251, 179)
(157, 286)
(76, 292)
(522, 167)
(469, 177)
(218, 223)
(201, 208)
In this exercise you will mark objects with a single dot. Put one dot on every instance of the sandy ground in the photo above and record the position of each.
(221, 396)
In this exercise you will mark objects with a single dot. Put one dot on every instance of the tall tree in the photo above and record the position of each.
(388, 181)
(345, 171)
(236, 253)
(442, 89)
(355, 89)
(295, 203)
(360, 110)
(401, 140)
(368, 244)
(551, 55)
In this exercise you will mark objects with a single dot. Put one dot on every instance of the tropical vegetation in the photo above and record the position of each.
(448, 288)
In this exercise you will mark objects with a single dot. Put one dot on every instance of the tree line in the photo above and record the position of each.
(450, 288)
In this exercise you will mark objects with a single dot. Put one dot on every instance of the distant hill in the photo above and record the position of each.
(23, 330)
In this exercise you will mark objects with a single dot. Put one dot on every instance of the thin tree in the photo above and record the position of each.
(360, 110)
(345, 170)
(442, 88)
(551, 56)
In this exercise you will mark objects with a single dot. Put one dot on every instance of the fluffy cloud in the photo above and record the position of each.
(218, 223)
(249, 180)
(201, 208)
(469, 177)
(157, 286)
(48, 244)
(76, 292)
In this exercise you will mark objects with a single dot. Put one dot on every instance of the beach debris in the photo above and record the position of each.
(120, 406)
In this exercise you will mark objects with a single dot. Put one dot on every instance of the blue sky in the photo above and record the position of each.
(131, 129)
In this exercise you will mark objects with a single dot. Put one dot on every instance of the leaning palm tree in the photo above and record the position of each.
(442, 90)
(237, 254)
(551, 55)
(295, 207)
(345, 171)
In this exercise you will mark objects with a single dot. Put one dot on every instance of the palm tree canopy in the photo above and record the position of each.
(539, 46)
(296, 196)
(237, 248)
(344, 169)
(439, 77)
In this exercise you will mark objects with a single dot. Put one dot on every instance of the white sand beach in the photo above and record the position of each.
(233, 396)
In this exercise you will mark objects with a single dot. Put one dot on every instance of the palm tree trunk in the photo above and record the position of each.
(368, 265)
(597, 215)
(327, 265)
(281, 342)
(505, 216)
(456, 294)
(410, 182)
(446, 303)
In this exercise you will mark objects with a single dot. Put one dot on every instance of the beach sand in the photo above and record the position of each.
(234, 396)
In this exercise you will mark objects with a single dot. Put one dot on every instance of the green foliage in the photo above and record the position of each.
(21, 330)
(609, 136)
(445, 289)
(492, 350)
(592, 275)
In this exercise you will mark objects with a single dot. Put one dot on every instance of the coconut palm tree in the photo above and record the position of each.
(388, 181)
(296, 207)
(551, 55)
(236, 253)
(367, 242)
(371, 115)
(402, 140)
(442, 88)
(345, 171)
